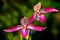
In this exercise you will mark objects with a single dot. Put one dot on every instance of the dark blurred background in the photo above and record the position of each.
(11, 11)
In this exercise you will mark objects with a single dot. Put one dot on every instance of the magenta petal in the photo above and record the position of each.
(32, 18)
(13, 28)
(42, 18)
(48, 9)
(36, 28)
(24, 33)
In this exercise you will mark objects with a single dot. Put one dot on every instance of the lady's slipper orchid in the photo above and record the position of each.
(24, 27)
(38, 13)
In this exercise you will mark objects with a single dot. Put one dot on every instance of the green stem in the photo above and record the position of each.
(20, 37)
(27, 38)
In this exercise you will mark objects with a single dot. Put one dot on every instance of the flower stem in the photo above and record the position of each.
(21, 37)
(28, 37)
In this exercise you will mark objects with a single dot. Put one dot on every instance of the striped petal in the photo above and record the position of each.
(24, 33)
(32, 18)
(24, 21)
(13, 28)
(48, 9)
(36, 28)
(42, 18)
(37, 7)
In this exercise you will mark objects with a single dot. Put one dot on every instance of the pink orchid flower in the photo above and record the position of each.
(24, 28)
(38, 13)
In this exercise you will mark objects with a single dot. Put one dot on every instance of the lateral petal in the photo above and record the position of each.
(32, 18)
(48, 9)
(36, 28)
(13, 28)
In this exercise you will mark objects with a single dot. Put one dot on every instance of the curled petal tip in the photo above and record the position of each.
(44, 28)
(5, 31)
(13, 28)
(37, 28)
(57, 10)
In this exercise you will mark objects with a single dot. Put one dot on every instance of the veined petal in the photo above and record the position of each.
(24, 33)
(13, 28)
(48, 9)
(37, 7)
(24, 21)
(32, 18)
(36, 28)
(42, 18)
